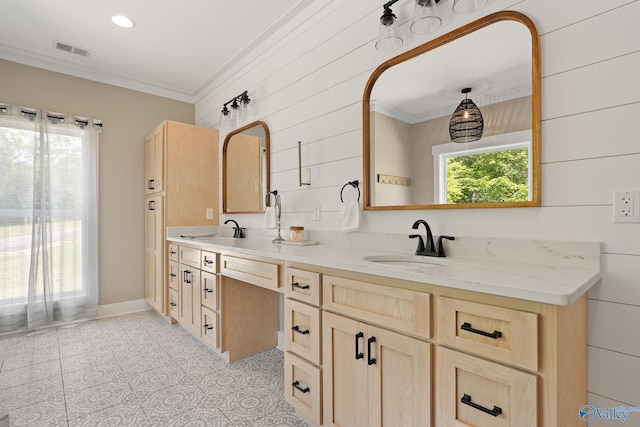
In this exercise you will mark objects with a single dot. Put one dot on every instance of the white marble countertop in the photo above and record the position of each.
(563, 272)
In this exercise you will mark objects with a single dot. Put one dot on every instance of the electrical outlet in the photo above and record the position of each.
(316, 212)
(209, 213)
(626, 206)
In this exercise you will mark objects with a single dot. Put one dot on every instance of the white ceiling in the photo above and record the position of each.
(495, 62)
(175, 48)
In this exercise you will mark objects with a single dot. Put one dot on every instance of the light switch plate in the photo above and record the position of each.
(316, 212)
(209, 213)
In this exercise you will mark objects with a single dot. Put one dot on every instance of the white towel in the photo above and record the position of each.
(270, 217)
(350, 214)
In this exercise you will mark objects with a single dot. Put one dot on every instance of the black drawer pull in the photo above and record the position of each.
(172, 275)
(370, 360)
(467, 327)
(151, 184)
(152, 205)
(358, 354)
(206, 326)
(300, 331)
(172, 304)
(296, 285)
(207, 290)
(208, 261)
(173, 252)
(296, 385)
(466, 399)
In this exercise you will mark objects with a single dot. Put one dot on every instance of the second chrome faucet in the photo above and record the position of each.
(428, 248)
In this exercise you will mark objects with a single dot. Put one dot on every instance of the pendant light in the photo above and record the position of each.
(388, 32)
(466, 124)
(425, 19)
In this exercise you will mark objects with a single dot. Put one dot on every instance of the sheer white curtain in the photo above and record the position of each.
(48, 218)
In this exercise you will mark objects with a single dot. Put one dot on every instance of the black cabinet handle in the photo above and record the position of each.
(300, 331)
(185, 276)
(173, 252)
(207, 326)
(297, 285)
(151, 184)
(466, 399)
(152, 205)
(172, 304)
(208, 261)
(467, 327)
(370, 360)
(358, 354)
(207, 290)
(172, 275)
(296, 385)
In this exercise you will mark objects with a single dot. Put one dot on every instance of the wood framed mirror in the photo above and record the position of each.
(245, 169)
(410, 161)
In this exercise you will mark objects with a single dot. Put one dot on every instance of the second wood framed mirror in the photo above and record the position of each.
(410, 159)
(245, 169)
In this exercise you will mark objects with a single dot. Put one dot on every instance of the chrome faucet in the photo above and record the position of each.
(238, 232)
(428, 248)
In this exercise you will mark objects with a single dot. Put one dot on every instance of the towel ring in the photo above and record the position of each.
(354, 184)
(267, 199)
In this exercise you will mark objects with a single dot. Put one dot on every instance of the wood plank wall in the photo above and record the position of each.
(308, 82)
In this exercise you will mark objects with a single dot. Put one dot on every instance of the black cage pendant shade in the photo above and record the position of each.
(466, 124)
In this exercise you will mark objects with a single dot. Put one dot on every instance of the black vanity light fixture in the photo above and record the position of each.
(426, 19)
(388, 32)
(240, 110)
(466, 124)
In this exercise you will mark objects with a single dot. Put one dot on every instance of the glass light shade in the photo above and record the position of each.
(468, 6)
(425, 17)
(466, 124)
(388, 33)
(224, 119)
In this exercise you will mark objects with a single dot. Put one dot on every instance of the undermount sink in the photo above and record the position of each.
(406, 261)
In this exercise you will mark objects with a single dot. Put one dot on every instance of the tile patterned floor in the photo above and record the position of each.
(136, 370)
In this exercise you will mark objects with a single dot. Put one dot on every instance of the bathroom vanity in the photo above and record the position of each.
(495, 334)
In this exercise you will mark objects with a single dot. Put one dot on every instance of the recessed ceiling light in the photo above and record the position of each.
(123, 21)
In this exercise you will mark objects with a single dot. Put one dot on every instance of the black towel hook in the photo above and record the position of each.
(354, 184)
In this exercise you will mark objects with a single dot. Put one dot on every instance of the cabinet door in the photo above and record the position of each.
(209, 290)
(154, 160)
(189, 299)
(344, 371)
(154, 253)
(399, 379)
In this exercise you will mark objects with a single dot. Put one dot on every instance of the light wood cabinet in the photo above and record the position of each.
(189, 300)
(181, 178)
(374, 377)
(154, 252)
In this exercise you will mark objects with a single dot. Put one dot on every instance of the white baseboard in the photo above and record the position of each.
(280, 341)
(126, 307)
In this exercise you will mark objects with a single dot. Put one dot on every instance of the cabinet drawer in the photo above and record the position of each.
(302, 285)
(208, 261)
(255, 272)
(173, 252)
(209, 327)
(475, 392)
(173, 303)
(189, 256)
(302, 330)
(209, 289)
(174, 279)
(394, 308)
(303, 387)
(498, 333)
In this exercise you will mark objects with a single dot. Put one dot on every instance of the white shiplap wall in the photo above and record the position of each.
(308, 82)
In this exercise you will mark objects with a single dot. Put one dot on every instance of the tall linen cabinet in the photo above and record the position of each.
(181, 184)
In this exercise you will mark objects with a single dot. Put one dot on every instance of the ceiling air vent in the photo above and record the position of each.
(66, 47)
